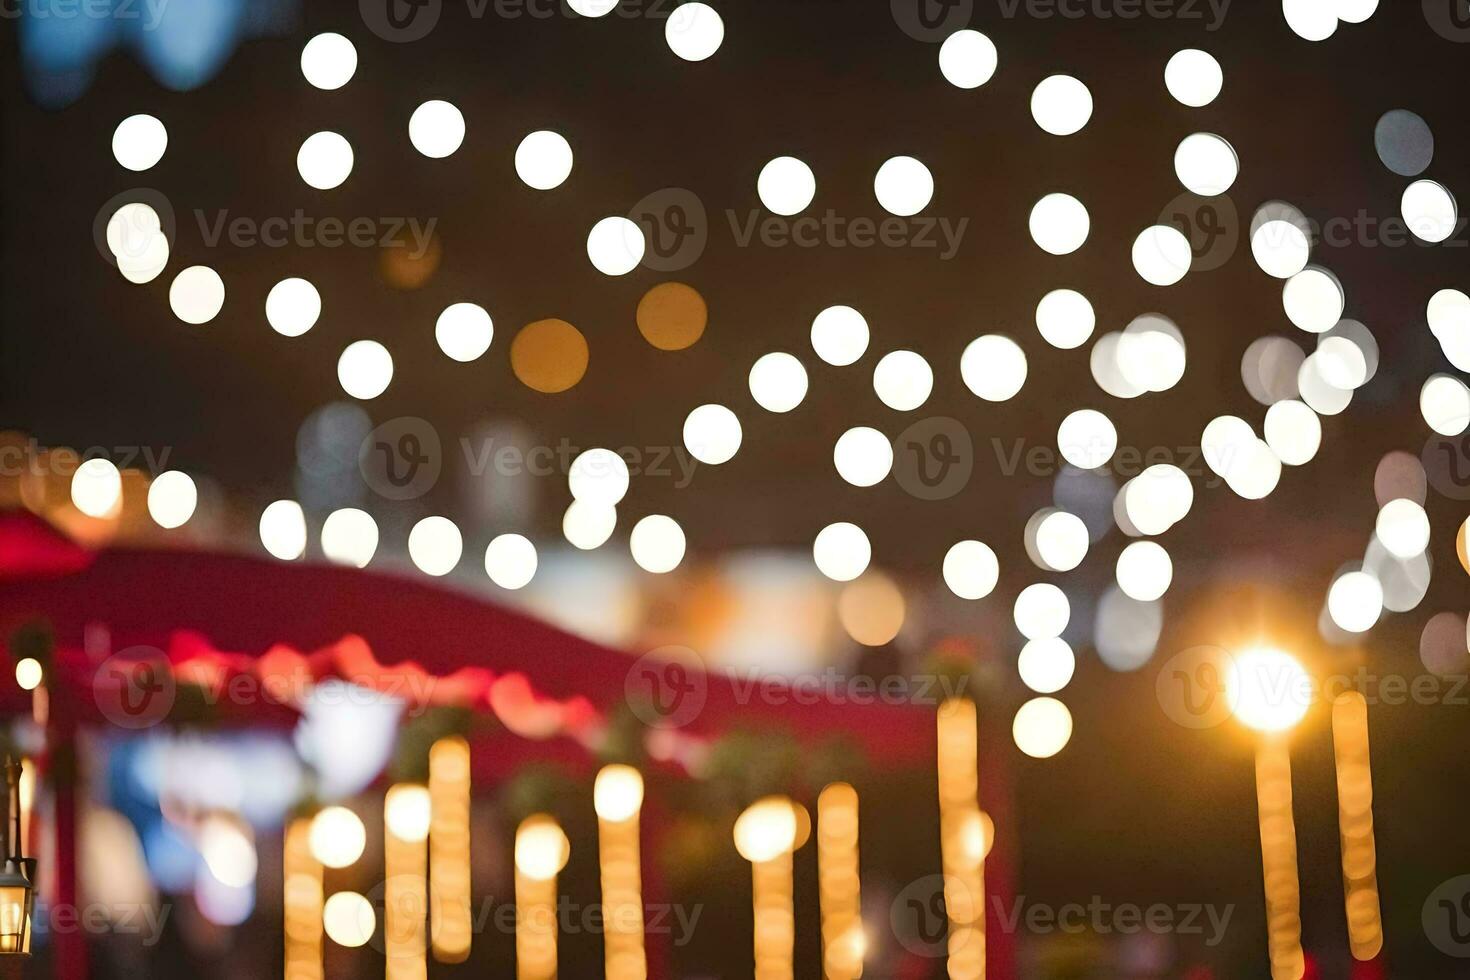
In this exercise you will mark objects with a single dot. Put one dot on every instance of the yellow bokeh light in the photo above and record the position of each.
(672, 316)
(549, 355)
(766, 830)
(871, 609)
(28, 673)
(1267, 690)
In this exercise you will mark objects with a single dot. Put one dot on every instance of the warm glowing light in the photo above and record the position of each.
(543, 160)
(615, 245)
(541, 848)
(766, 829)
(1313, 300)
(1145, 571)
(283, 530)
(967, 59)
(228, 851)
(971, 569)
(863, 456)
(197, 294)
(786, 185)
(1087, 439)
(1042, 611)
(136, 240)
(903, 380)
(778, 382)
(139, 142)
(1267, 690)
(510, 561)
(842, 551)
(993, 367)
(1403, 527)
(1061, 105)
(843, 943)
(324, 160)
(349, 919)
(1429, 210)
(96, 488)
(451, 925)
(1046, 666)
(1293, 431)
(694, 31)
(549, 355)
(588, 525)
(406, 812)
(712, 434)
(903, 186)
(463, 331)
(350, 537)
(1355, 601)
(657, 543)
(1058, 540)
(435, 545)
(1444, 401)
(1193, 77)
(871, 609)
(337, 837)
(1042, 727)
(1065, 318)
(1206, 164)
(617, 793)
(1162, 255)
(1355, 824)
(301, 902)
(365, 369)
(436, 128)
(328, 61)
(28, 673)
(292, 307)
(1059, 224)
(598, 476)
(672, 316)
(839, 335)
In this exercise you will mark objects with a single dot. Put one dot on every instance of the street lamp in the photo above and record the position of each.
(17, 893)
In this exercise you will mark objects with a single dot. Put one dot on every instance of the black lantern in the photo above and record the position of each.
(17, 877)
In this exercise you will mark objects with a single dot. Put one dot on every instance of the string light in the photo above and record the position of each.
(406, 823)
(1355, 824)
(449, 849)
(843, 941)
(617, 798)
(963, 863)
(541, 851)
(302, 897)
(765, 835)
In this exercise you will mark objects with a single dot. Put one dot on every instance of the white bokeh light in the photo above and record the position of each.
(842, 551)
(1059, 224)
(839, 335)
(1313, 300)
(197, 294)
(464, 331)
(1042, 611)
(283, 530)
(1403, 528)
(786, 186)
(971, 569)
(139, 142)
(1444, 401)
(588, 525)
(903, 186)
(1046, 666)
(172, 498)
(1162, 255)
(435, 545)
(1293, 431)
(324, 160)
(903, 380)
(1060, 540)
(1206, 164)
(863, 456)
(1355, 601)
(436, 128)
(137, 241)
(510, 561)
(292, 307)
(1042, 727)
(1144, 571)
(1280, 247)
(1065, 318)
(657, 544)
(778, 382)
(1087, 439)
(328, 61)
(615, 246)
(543, 160)
(1193, 77)
(967, 59)
(1429, 210)
(993, 367)
(350, 537)
(96, 488)
(1313, 20)
(365, 369)
(1061, 105)
(599, 477)
(694, 31)
(712, 434)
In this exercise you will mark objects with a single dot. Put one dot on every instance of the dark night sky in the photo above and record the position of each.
(89, 359)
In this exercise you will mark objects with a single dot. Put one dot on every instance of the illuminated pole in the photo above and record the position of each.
(406, 819)
(541, 852)
(617, 796)
(449, 849)
(765, 835)
(843, 942)
(301, 876)
(1355, 823)
(959, 818)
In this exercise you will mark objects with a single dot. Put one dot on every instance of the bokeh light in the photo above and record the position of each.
(712, 434)
(1059, 224)
(694, 31)
(365, 369)
(971, 569)
(464, 331)
(672, 316)
(657, 543)
(786, 186)
(328, 61)
(324, 160)
(436, 128)
(543, 160)
(598, 476)
(1193, 77)
(1065, 318)
(510, 561)
(292, 307)
(863, 456)
(172, 498)
(1042, 727)
(1144, 571)
(1046, 666)
(967, 59)
(1266, 689)
(283, 530)
(993, 367)
(839, 335)
(350, 537)
(903, 186)
(96, 488)
(1041, 611)
(1061, 105)
(139, 142)
(549, 355)
(903, 380)
(435, 545)
(842, 551)
(778, 382)
(197, 294)
(348, 919)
